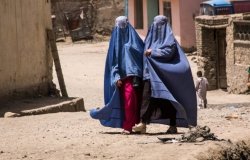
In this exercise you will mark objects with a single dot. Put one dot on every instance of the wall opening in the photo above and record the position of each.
(221, 44)
(167, 11)
(242, 30)
(138, 14)
(152, 10)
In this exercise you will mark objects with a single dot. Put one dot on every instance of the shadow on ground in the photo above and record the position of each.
(41, 105)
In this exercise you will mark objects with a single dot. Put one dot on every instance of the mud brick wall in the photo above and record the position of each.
(206, 54)
(238, 55)
(237, 49)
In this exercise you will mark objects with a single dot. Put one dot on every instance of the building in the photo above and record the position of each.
(25, 59)
(181, 15)
(223, 44)
(98, 16)
(224, 7)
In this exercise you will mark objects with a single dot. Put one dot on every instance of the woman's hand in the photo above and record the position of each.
(119, 83)
(148, 52)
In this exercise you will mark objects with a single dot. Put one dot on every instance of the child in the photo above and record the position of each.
(201, 87)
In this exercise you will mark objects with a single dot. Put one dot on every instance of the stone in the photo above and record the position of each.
(11, 115)
(200, 139)
(193, 58)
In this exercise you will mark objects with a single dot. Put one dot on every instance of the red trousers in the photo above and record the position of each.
(131, 103)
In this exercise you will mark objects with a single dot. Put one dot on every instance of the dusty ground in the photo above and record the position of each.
(77, 136)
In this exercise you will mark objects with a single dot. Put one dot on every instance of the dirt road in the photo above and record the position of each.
(77, 136)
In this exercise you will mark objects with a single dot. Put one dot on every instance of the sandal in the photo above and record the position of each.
(171, 130)
(139, 128)
(125, 132)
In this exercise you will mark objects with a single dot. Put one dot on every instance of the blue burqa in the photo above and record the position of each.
(169, 72)
(124, 58)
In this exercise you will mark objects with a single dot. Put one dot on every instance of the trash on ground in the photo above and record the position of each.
(195, 134)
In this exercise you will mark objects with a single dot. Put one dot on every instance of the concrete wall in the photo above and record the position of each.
(183, 23)
(131, 17)
(131, 12)
(25, 61)
(188, 10)
(176, 24)
(143, 32)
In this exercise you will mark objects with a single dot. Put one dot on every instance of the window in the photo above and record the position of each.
(167, 11)
(138, 14)
(223, 10)
(242, 31)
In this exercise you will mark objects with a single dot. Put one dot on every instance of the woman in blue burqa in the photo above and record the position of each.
(168, 94)
(123, 72)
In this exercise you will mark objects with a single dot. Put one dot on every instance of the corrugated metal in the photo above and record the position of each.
(218, 3)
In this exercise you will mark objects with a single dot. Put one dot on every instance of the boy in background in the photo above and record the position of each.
(201, 88)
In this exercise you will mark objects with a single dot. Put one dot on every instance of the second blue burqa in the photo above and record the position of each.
(124, 58)
(169, 72)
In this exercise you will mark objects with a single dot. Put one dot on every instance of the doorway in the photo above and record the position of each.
(221, 45)
(138, 14)
(167, 11)
(153, 10)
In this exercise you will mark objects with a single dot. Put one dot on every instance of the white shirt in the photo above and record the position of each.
(201, 87)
